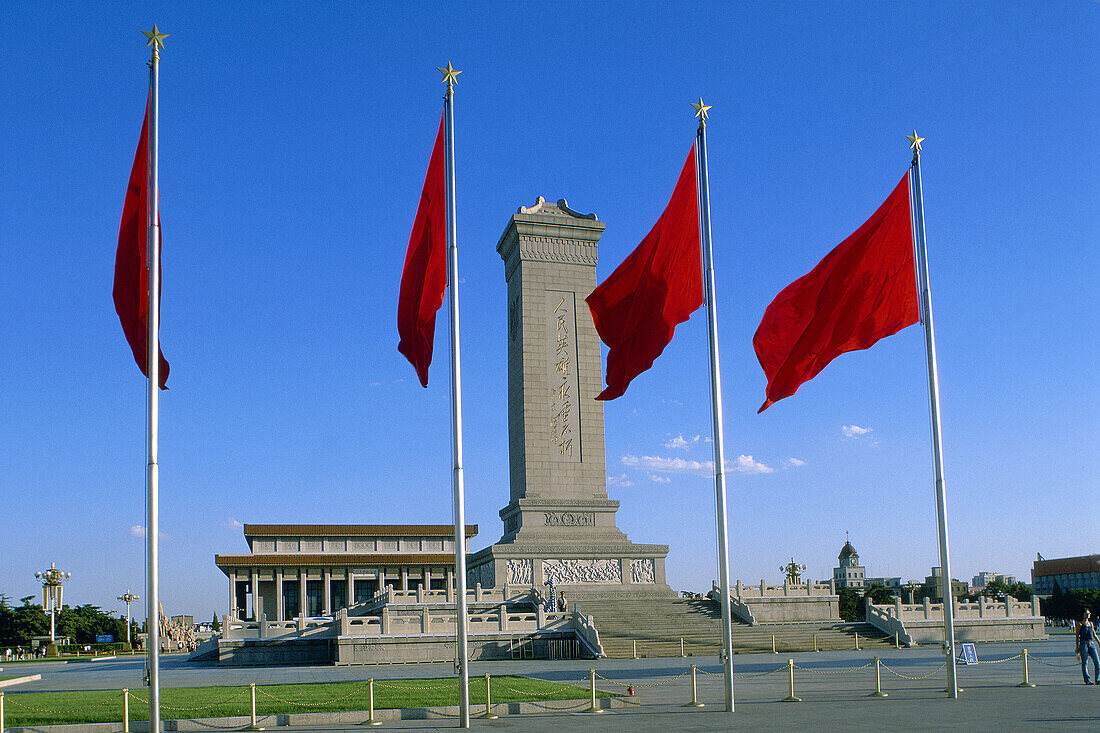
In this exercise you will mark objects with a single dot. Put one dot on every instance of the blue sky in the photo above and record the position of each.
(294, 140)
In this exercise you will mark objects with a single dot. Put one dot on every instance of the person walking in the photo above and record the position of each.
(1087, 646)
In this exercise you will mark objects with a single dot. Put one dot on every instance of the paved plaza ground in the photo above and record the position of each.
(833, 687)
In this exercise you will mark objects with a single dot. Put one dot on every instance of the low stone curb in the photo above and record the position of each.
(338, 718)
(20, 680)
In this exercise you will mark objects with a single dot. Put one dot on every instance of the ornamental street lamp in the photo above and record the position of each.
(128, 598)
(52, 580)
(793, 571)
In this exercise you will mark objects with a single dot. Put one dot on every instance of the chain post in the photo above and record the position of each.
(857, 641)
(790, 683)
(878, 680)
(1026, 682)
(488, 701)
(252, 698)
(1, 712)
(125, 710)
(370, 704)
(815, 642)
(694, 692)
(897, 640)
(635, 643)
(682, 655)
(592, 686)
(773, 645)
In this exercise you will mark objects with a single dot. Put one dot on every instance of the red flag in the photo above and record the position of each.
(862, 291)
(657, 286)
(424, 277)
(131, 291)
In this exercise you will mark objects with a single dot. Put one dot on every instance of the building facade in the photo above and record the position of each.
(850, 574)
(315, 569)
(1071, 573)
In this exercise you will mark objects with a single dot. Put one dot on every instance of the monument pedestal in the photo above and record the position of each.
(559, 524)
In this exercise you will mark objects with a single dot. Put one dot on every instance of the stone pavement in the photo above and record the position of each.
(833, 687)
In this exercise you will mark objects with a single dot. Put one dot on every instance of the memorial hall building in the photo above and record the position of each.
(317, 569)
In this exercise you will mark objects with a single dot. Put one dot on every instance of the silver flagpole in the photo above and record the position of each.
(152, 258)
(716, 400)
(461, 660)
(917, 207)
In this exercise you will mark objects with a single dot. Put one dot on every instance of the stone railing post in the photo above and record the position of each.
(786, 587)
(1009, 601)
(503, 618)
(263, 626)
(227, 630)
(981, 606)
(540, 614)
(301, 622)
(897, 607)
(425, 621)
(385, 619)
(342, 622)
(738, 589)
(927, 608)
(1035, 605)
(762, 588)
(477, 593)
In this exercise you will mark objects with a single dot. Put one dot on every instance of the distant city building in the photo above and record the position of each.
(932, 586)
(981, 580)
(1071, 573)
(851, 574)
(317, 569)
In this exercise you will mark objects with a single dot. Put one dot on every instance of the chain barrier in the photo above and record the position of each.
(10, 700)
(907, 677)
(998, 661)
(411, 687)
(640, 685)
(742, 676)
(226, 701)
(497, 685)
(834, 671)
(354, 692)
(1040, 660)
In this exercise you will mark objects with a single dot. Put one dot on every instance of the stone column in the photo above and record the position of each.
(404, 578)
(303, 599)
(233, 593)
(349, 597)
(257, 601)
(278, 594)
(327, 603)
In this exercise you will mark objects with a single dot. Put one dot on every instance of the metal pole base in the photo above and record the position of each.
(253, 727)
(695, 705)
(791, 698)
(488, 716)
(1022, 684)
(878, 693)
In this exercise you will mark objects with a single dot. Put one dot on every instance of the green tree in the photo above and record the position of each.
(215, 624)
(849, 605)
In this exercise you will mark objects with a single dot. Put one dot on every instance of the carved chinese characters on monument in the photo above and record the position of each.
(564, 416)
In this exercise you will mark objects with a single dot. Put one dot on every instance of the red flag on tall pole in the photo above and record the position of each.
(131, 290)
(864, 290)
(658, 286)
(424, 277)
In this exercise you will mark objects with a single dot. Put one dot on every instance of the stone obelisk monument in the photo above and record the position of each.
(559, 524)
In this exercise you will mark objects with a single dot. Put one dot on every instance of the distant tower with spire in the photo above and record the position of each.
(850, 574)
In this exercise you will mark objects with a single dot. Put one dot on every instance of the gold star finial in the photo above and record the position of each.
(914, 143)
(450, 74)
(156, 38)
(701, 110)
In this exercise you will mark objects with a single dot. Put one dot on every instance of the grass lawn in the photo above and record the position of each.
(45, 708)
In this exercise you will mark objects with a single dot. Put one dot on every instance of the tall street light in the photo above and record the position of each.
(128, 598)
(52, 580)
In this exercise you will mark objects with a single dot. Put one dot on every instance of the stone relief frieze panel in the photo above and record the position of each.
(569, 519)
(641, 571)
(572, 572)
(483, 574)
(519, 572)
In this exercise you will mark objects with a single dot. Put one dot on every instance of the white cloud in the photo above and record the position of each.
(854, 431)
(742, 464)
(137, 531)
(231, 523)
(677, 442)
(794, 462)
(620, 480)
(659, 479)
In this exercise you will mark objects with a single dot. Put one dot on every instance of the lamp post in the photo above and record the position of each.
(52, 580)
(128, 598)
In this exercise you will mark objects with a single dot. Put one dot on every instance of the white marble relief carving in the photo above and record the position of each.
(519, 572)
(641, 571)
(572, 572)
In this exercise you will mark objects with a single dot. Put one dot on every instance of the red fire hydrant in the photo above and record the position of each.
(630, 690)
